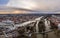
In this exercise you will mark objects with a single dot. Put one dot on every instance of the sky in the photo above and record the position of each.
(3, 2)
(44, 6)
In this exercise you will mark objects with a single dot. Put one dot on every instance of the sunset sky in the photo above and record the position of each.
(44, 6)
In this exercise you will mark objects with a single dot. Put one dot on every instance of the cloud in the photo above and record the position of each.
(47, 5)
(40, 5)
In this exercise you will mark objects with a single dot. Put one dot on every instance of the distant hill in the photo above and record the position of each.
(27, 15)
